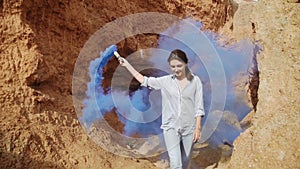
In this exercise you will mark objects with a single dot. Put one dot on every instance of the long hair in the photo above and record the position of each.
(181, 56)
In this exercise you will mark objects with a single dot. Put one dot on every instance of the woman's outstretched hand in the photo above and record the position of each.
(123, 61)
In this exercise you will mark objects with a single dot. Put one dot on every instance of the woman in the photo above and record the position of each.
(182, 106)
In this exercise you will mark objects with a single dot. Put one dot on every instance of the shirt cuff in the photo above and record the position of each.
(200, 113)
(145, 82)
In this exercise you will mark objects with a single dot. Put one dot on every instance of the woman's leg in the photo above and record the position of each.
(172, 141)
(187, 143)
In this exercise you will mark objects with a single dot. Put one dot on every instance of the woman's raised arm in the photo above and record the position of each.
(137, 75)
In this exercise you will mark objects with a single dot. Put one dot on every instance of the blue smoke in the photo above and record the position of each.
(95, 93)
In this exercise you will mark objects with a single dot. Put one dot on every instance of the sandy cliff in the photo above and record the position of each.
(41, 40)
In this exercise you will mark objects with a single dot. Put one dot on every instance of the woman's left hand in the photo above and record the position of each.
(197, 135)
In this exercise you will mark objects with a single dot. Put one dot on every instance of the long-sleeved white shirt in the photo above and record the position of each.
(179, 109)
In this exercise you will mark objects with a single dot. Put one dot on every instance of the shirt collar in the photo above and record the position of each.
(173, 76)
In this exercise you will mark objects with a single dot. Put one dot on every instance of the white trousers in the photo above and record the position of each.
(179, 148)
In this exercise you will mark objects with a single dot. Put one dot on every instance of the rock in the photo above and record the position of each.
(73, 161)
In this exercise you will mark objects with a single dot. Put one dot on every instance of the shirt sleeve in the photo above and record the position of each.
(153, 82)
(199, 109)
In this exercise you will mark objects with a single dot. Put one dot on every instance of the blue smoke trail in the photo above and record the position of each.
(99, 102)
(95, 91)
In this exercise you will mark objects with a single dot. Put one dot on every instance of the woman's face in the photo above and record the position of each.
(178, 67)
